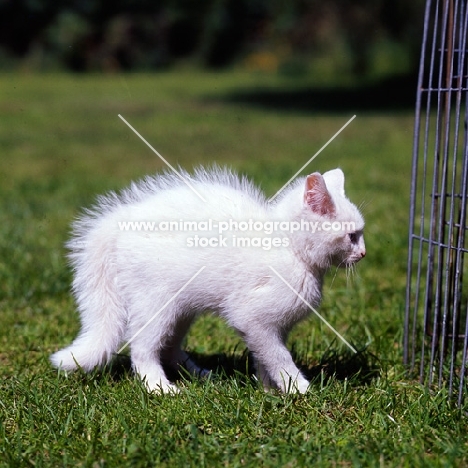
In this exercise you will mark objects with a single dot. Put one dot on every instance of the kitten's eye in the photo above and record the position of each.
(353, 237)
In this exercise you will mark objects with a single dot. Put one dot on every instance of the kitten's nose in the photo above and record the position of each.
(363, 254)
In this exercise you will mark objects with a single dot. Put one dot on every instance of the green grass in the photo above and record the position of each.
(62, 144)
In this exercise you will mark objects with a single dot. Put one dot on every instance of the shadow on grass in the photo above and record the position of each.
(390, 94)
(361, 367)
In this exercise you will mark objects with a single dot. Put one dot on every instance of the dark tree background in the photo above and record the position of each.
(89, 35)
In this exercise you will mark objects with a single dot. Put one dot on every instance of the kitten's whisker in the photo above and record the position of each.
(364, 204)
(349, 274)
(334, 277)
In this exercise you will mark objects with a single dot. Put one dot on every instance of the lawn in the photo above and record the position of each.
(62, 144)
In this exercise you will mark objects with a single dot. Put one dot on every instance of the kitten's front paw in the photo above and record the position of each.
(300, 385)
(159, 387)
(170, 389)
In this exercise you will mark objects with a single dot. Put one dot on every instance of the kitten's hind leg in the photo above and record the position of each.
(152, 373)
(174, 356)
(183, 360)
(147, 343)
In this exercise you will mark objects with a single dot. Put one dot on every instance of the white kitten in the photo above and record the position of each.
(243, 258)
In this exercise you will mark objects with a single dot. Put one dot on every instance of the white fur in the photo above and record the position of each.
(123, 278)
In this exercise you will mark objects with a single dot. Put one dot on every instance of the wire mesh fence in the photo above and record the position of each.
(436, 316)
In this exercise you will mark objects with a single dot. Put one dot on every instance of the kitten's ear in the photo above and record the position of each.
(334, 180)
(317, 197)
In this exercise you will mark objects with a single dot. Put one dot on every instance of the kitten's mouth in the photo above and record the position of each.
(353, 260)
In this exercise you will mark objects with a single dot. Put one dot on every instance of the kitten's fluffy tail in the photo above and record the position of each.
(101, 309)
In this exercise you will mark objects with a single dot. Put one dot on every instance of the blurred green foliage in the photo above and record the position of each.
(356, 37)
